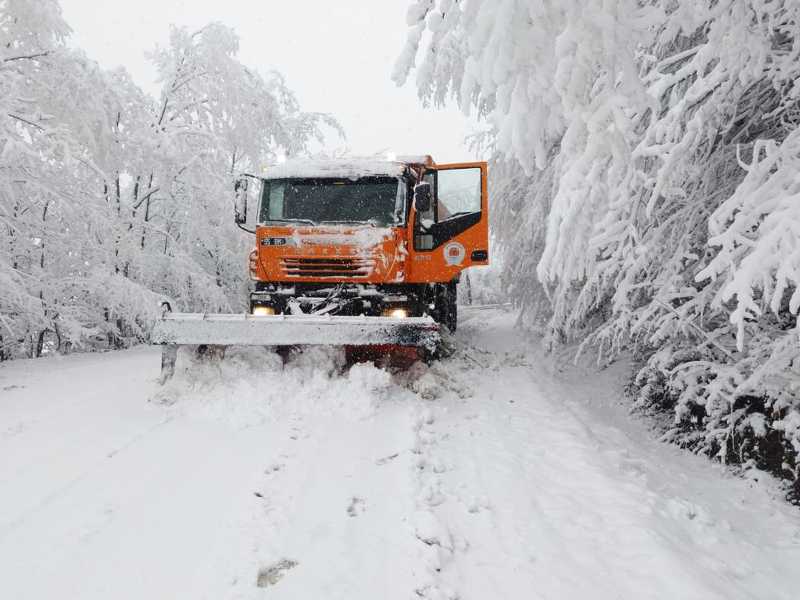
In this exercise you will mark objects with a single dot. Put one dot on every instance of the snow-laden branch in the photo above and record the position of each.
(633, 217)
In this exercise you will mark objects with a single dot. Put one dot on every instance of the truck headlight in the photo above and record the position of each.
(262, 311)
(395, 313)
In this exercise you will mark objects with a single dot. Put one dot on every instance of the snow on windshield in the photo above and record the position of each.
(351, 168)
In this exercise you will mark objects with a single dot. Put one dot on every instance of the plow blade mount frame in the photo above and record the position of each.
(181, 329)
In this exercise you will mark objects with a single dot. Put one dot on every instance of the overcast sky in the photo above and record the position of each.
(337, 56)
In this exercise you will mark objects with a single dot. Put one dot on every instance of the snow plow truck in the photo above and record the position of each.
(365, 254)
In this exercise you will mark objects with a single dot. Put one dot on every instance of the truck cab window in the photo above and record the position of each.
(459, 192)
(428, 218)
(378, 201)
(275, 200)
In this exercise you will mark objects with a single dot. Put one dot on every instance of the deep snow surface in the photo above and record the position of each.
(492, 474)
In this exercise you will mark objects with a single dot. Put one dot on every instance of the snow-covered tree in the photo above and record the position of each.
(111, 199)
(32, 147)
(659, 142)
(215, 118)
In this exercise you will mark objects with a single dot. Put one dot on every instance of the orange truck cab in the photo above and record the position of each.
(364, 237)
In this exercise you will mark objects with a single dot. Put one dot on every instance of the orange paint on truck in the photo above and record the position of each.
(324, 254)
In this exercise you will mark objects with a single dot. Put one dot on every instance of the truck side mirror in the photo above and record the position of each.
(422, 197)
(240, 201)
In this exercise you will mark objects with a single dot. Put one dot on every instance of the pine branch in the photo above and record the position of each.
(698, 329)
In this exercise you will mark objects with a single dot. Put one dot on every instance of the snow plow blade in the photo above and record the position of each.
(181, 329)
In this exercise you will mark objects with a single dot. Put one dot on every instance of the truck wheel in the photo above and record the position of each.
(451, 306)
(445, 311)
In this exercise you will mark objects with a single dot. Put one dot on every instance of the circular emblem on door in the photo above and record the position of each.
(454, 253)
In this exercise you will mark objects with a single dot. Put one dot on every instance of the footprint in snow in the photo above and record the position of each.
(273, 573)
(386, 459)
(357, 506)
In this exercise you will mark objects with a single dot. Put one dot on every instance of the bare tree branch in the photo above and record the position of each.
(27, 56)
(31, 123)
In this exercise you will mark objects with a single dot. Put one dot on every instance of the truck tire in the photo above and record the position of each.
(451, 306)
(445, 309)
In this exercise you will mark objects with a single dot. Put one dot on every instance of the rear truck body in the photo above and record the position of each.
(358, 253)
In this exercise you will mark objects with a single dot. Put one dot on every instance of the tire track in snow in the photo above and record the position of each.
(334, 495)
(438, 544)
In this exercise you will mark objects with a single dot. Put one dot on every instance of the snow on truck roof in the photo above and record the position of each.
(349, 168)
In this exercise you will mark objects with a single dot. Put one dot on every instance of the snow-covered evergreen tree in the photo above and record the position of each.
(659, 143)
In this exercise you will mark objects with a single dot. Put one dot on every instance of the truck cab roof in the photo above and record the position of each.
(348, 168)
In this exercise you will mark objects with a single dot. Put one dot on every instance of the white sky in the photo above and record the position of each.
(336, 55)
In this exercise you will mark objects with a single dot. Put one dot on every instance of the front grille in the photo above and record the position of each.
(327, 267)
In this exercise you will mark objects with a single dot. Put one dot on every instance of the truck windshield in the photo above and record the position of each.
(378, 201)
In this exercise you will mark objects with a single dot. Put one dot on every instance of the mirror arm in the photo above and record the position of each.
(243, 228)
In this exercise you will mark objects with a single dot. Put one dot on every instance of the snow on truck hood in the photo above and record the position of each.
(351, 168)
(365, 239)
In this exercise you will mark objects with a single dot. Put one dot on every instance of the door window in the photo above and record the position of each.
(428, 217)
(275, 199)
(459, 192)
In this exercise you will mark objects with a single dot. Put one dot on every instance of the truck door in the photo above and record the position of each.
(454, 234)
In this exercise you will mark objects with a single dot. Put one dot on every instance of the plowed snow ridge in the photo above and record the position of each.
(488, 475)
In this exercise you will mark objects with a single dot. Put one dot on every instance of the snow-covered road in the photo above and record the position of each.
(489, 475)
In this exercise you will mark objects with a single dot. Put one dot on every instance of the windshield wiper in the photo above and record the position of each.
(309, 221)
(460, 213)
